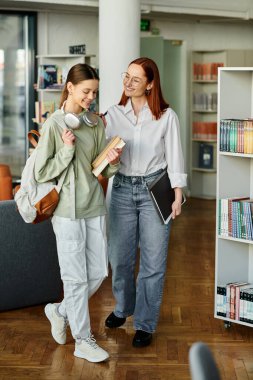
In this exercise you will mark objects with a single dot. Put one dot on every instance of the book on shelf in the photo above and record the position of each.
(47, 76)
(163, 196)
(238, 300)
(43, 109)
(246, 305)
(236, 135)
(204, 130)
(205, 156)
(206, 71)
(231, 306)
(221, 300)
(203, 101)
(101, 161)
(234, 299)
(235, 218)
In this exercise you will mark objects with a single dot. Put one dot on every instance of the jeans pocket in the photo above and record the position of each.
(149, 181)
(116, 182)
(152, 178)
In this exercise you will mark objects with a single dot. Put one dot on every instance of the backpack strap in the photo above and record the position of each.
(32, 139)
(61, 180)
(63, 125)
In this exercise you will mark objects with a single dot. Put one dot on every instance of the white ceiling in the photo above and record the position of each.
(180, 9)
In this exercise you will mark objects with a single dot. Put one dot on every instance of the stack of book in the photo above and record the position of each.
(206, 130)
(101, 161)
(206, 71)
(236, 135)
(235, 218)
(235, 301)
(204, 102)
(52, 77)
(43, 110)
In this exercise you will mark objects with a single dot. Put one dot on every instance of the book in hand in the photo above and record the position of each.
(101, 161)
(163, 196)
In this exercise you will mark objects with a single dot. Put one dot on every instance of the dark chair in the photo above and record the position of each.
(202, 364)
(29, 269)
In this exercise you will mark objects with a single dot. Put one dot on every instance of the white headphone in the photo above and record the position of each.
(74, 121)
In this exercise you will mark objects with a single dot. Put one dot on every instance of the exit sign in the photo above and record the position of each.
(145, 25)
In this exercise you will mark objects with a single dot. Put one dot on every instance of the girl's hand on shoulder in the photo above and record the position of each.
(68, 137)
(102, 115)
(113, 156)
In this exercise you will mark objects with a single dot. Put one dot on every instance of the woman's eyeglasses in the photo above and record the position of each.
(135, 81)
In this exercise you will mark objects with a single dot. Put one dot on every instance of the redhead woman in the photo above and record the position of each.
(151, 131)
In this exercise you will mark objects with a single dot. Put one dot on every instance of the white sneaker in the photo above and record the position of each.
(58, 323)
(89, 350)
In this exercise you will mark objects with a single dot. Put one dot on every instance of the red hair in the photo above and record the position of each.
(155, 98)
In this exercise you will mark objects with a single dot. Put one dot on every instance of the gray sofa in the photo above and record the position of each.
(29, 269)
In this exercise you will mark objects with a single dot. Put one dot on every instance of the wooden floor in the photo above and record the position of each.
(27, 350)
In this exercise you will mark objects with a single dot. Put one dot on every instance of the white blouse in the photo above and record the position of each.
(150, 144)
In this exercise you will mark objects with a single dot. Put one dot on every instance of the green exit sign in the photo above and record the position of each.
(145, 25)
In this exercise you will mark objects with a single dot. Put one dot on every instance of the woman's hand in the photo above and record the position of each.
(103, 118)
(68, 137)
(176, 205)
(113, 156)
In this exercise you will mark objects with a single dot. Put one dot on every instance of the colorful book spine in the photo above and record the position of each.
(236, 136)
(235, 301)
(235, 218)
(221, 300)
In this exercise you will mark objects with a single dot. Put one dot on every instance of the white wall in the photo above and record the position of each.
(58, 31)
(208, 35)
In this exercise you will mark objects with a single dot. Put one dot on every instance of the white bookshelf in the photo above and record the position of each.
(64, 62)
(233, 257)
(203, 182)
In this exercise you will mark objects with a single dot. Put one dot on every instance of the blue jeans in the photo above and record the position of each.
(133, 221)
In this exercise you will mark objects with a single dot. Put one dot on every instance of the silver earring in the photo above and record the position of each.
(147, 92)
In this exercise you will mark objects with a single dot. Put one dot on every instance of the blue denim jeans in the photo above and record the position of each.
(133, 221)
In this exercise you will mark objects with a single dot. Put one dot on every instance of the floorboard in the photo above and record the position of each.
(28, 352)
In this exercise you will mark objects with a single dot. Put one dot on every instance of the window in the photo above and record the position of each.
(17, 45)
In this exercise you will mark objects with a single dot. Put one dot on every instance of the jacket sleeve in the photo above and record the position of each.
(110, 169)
(49, 163)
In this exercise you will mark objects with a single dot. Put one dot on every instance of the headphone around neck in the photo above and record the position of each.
(74, 121)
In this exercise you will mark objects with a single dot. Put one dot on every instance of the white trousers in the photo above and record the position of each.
(82, 254)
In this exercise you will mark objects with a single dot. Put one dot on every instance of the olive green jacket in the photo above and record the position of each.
(53, 156)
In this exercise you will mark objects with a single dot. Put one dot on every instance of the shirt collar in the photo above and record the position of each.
(128, 107)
